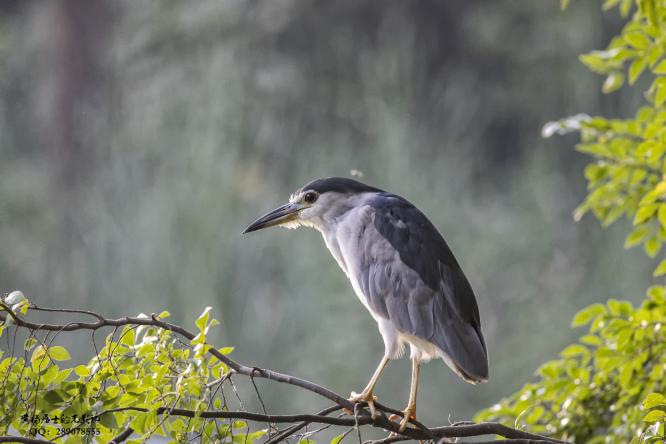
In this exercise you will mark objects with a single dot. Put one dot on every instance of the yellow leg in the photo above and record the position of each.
(410, 410)
(366, 395)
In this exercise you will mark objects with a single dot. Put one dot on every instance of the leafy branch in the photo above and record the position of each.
(155, 377)
(609, 387)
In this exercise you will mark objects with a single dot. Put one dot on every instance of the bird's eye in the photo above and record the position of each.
(310, 198)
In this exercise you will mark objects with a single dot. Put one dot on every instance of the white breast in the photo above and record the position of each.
(341, 242)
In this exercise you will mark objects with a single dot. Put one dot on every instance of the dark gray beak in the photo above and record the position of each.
(280, 215)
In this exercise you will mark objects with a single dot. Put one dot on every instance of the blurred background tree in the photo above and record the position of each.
(138, 139)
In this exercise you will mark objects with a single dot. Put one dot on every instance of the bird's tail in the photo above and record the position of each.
(463, 349)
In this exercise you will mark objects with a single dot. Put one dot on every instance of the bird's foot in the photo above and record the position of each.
(366, 397)
(408, 413)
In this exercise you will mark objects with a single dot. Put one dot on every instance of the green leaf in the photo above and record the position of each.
(251, 437)
(597, 61)
(53, 397)
(337, 439)
(644, 213)
(660, 95)
(591, 340)
(657, 293)
(654, 53)
(49, 375)
(660, 68)
(636, 237)
(82, 370)
(637, 39)
(613, 82)
(59, 353)
(609, 4)
(29, 343)
(625, 375)
(37, 353)
(654, 416)
(652, 246)
(635, 70)
(586, 315)
(574, 350)
(226, 350)
(128, 337)
(653, 400)
(661, 269)
(62, 375)
(108, 420)
(661, 215)
(202, 320)
(21, 307)
(625, 7)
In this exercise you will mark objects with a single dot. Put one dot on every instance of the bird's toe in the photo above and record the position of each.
(366, 397)
(409, 413)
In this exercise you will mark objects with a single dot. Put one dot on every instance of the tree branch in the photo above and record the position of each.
(299, 421)
(122, 436)
(23, 440)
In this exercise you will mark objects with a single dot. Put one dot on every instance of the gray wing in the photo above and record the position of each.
(422, 289)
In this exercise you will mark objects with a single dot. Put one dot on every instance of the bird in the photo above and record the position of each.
(403, 272)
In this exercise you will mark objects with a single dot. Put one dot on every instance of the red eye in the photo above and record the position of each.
(310, 198)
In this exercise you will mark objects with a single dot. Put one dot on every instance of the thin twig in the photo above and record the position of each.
(68, 310)
(295, 428)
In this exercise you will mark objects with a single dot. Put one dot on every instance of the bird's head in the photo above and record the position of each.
(315, 204)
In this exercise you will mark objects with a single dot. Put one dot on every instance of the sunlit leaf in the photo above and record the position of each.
(654, 400)
(586, 315)
(59, 353)
(202, 320)
(660, 68)
(644, 213)
(637, 39)
(613, 82)
(654, 415)
(82, 370)
(661, 269)
(635, 69)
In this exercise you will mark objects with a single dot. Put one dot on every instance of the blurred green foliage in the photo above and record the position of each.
(608, 387)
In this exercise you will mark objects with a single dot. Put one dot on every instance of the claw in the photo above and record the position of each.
(368, 398)
(393, 418)
(409, 413)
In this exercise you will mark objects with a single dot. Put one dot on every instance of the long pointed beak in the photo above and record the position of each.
(280, 215)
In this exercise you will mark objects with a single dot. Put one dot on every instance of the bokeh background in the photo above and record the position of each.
(138, 139)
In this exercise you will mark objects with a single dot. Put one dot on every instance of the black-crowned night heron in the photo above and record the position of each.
(403, 272)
